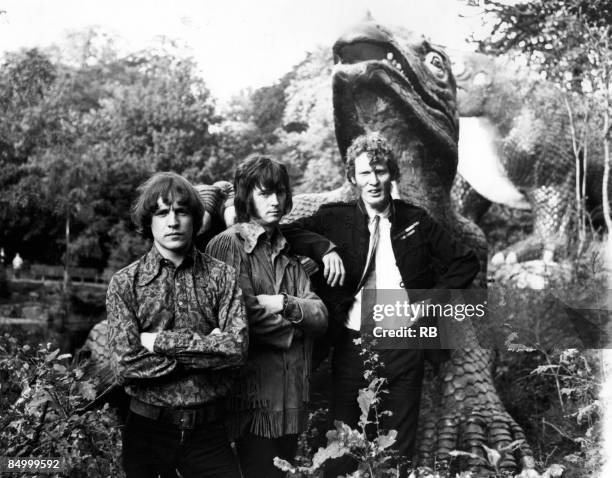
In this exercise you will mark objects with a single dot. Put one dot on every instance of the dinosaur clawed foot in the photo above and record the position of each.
(536, 275)
(499, 258)
(530, 248)
(482, 441)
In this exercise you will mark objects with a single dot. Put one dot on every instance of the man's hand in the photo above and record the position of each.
(333, 269)
(147, 339)
(272, 303)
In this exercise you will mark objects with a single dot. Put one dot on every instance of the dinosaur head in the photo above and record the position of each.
(405, 90)
(474, 74)
(494, 87)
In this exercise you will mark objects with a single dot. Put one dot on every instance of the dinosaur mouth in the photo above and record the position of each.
(373, 62)
(360, 51)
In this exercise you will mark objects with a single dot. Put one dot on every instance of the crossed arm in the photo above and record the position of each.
(128, 358)
(143, 355)
(305, 313)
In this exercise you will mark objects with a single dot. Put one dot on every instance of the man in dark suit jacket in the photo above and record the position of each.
(383, 244)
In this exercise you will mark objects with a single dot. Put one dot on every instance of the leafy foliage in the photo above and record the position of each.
(569, 42)
(307, 141)
(368, 444)
(43, 412)
(291, 120)
(77, 137)
(550, 389)
(557, 405)
(556, 35)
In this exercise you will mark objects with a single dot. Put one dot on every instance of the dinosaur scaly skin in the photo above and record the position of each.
(532, 141)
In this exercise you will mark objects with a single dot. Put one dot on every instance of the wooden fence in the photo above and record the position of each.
(84, 274)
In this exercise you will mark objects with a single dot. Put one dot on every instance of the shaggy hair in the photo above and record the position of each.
(265, 173)
(379, 151)
(170, 187)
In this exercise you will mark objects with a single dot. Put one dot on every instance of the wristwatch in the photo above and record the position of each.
(285, 303)
(284, 311)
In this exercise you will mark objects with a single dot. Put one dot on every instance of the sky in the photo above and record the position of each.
(236, 43)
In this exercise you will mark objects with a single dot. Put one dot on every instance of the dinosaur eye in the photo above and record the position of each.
(435, 63)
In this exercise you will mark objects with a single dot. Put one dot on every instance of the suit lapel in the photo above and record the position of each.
(361, 236)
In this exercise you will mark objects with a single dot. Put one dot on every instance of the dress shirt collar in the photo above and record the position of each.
(371, 213)
(153, 261)
(252, 233)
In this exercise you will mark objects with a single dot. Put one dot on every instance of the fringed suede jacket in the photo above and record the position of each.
(271, 393)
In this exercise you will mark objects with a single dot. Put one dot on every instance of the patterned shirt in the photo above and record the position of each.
(271, 395)
(189, 366)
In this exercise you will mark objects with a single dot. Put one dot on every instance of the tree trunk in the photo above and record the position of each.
(606, 137)
(605, 182)
(578, 167)
(606, 174)
(67, 255)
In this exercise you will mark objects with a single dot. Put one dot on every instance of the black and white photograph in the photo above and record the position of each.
(324, 238)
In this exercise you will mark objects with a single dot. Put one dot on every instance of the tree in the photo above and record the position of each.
(26, 79)
(251, 123)
(307, 141)
(78, 136)
(556, 35)
(569, 42)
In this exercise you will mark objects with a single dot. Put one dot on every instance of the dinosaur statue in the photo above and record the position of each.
(517, 148)
(406, 91)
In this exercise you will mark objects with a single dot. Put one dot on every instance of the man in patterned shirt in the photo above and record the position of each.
(177, 332)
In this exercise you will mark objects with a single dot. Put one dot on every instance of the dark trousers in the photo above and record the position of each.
(256, 454)
(404, 372)
(152, 448)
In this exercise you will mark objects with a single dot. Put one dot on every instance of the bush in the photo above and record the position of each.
(44, 412)
(553, 396)
(368, 444)
(548, 384)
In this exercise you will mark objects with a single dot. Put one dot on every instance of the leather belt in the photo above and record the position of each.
(184, 418)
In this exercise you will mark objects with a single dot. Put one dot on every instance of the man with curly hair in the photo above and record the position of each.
(384, 244)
